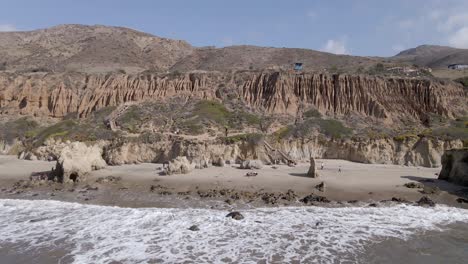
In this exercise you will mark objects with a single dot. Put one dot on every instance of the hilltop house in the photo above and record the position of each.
(458, 66)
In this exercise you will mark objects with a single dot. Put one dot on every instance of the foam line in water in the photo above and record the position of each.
(100, 234)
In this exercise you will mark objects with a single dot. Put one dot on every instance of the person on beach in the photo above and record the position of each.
(339, 169)
(321, 166)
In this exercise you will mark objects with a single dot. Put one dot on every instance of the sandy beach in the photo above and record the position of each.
(143, 185)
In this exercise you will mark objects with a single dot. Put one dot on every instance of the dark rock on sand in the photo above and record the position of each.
(194, 228)
(414, 185)
(311, 198)
(289, 196)
(109, 179)
(320, 186)
(426, 201)
(208, 194)
(399, 200)
(430, 190)
(235, 215)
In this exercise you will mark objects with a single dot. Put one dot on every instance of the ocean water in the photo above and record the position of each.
(59, 232)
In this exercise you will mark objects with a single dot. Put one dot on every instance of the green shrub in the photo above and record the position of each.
(59, 129)
(20, 128)
(312, 113)
(404, 137)
(282, 133)
(333, 128)
(213, 111)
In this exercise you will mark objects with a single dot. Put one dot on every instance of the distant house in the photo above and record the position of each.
(298, 66)
(458, 66)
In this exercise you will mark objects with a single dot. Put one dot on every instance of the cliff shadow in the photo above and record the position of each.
(452, 188)
(296, 174)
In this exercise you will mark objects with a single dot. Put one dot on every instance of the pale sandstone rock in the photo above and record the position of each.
(180, 165)
(251, 164)
(76, 160)
(455, 166)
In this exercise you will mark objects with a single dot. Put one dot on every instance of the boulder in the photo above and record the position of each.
(426, 201)
(179, 165)
(455, 166)
(251, 164)
(235, 215)
(76, 160)
(312, 172)
(414, 185)
(194, 228)
(219, 162)
(311, 198)
(320, 186)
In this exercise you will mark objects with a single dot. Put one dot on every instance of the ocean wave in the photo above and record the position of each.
(102, 234)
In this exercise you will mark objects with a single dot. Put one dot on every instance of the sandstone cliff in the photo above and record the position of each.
(455, 166)
(413, 152)
(273, 92)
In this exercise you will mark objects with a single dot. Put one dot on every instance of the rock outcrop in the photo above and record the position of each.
(389, 99)
(455, 166)
(251, 164)
(180, 165)
(425, 152)
(76, 160)
(312, 173)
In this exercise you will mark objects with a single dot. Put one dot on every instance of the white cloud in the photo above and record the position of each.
(453, 21)
(398, 47)
(335, 46)
(7, 27)
(459, 39)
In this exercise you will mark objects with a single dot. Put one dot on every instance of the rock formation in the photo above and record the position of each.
(251, 164)
(180, 165)
(279, 93)
(312, 173)
(76, 160)
(425, 152)
(455, 166)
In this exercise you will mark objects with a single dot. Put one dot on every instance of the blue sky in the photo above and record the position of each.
(357, 27)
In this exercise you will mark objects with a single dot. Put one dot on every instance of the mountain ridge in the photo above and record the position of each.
(100, 49)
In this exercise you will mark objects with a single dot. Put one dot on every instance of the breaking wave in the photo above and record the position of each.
(102, 234)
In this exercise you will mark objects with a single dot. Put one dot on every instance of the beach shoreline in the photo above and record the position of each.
(227, 188)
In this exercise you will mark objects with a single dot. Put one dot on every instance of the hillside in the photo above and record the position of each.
(433, 56)
(97, 49)
(89, 49)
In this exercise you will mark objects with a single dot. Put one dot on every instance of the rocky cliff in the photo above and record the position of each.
(455, 166)
(425, 152)
(57, 95)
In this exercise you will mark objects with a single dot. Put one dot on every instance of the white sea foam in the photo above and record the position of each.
(101, 234)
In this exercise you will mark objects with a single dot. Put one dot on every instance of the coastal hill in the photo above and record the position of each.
(99, 49)
(92, 83)
(433, 56)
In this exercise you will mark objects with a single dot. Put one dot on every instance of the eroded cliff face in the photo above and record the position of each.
(425, 152)
(345, 94)
(57, 95)
(412, 152)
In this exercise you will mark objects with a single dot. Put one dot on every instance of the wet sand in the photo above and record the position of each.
(362, 182)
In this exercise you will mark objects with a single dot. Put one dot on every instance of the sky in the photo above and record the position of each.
(355, 27)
